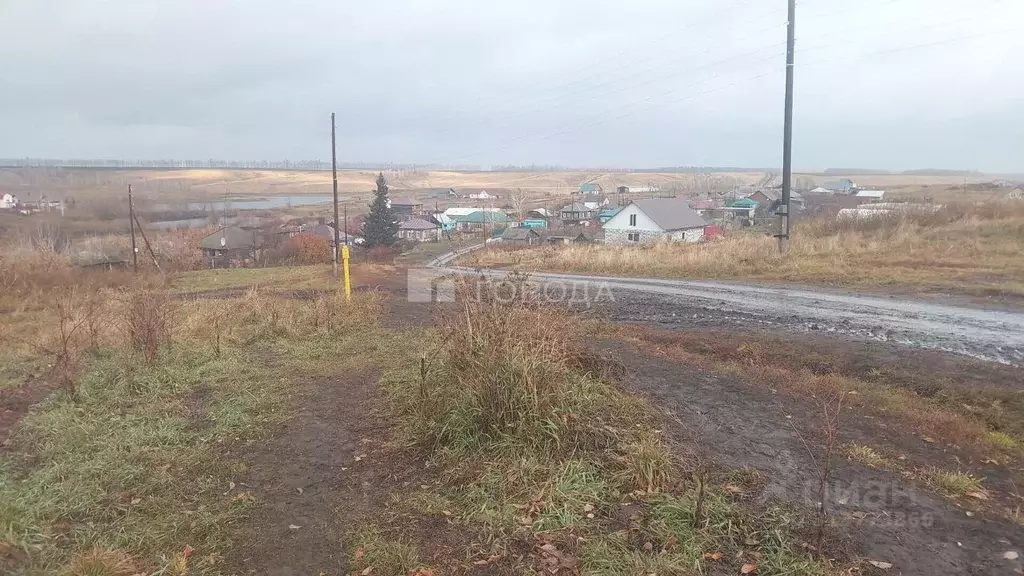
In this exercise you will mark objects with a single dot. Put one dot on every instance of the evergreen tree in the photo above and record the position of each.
(380, 228)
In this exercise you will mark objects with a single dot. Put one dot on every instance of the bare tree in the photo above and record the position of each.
(518, 198)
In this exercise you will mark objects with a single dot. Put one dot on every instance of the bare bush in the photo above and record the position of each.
(147, 321)
(65, 345)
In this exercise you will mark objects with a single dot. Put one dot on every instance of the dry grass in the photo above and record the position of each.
(866, 455)
(953, 483)
(962, 248)
(536, 447)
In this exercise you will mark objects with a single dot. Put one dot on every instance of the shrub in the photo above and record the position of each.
(147, 321)
(307, 249)
(380, 254)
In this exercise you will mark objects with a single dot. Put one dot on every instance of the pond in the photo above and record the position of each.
(263, 203)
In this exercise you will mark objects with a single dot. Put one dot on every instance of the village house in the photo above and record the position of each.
(844, 186)
(535, 223)
(9, 201)
(419, 230)
(443, 220)
(483, 195)
(232, 246)
(482, 220)
(771, 198)
(1016, 194)
(575, 235)
(577, 213)
(405, 209)
(655, 220)
(521, 236)
(590, 188)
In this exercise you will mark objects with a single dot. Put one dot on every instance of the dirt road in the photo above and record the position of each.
(996, 335)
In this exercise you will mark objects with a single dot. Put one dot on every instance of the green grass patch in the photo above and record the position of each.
(381, 554)
(131, 462)
(132, 468)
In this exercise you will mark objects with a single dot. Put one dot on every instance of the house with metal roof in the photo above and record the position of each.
(521, 236)
(590, 188)
(871, 195)
(419, 230)
(481, 219)
(843, 186)
(654, 220)
(577, 213)
(232, 245)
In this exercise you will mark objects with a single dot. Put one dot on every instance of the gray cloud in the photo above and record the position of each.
(880, 83)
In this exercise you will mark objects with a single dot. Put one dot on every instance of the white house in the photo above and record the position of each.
(483, 195)
(654, 220)
(8, 200)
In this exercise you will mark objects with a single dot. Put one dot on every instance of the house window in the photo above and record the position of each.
(632, 219)
(633, 236)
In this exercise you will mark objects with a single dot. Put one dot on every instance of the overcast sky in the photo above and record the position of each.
(879, 83)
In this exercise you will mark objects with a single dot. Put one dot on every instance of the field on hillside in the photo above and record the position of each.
(171, 185)
(962, 249)
(224, 422)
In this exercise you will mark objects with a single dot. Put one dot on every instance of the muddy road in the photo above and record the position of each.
(995, 335)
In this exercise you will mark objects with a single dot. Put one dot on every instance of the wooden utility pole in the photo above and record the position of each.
(787, 139)
(131, 224)
(149, 247)
(334, 173)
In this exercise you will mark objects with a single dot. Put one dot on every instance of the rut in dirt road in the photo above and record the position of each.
(742, 425)
(996, 335)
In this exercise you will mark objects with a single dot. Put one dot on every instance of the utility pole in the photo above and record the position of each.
(334, 173)
(787, 139)
(131, 224)
(346, 224)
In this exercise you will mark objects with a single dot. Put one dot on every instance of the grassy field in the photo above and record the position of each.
(961, 249)
(176, 185)
(158, 433)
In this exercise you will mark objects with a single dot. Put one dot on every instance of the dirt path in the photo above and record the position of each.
(16, 401)
(995, 334)
(309, 483)
(324, 473)
(889, 520)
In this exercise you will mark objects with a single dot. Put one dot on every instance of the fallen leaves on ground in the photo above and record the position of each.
(748, 569)
(879, 564)
(554, 560)
(713, 555)
(486, 561)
